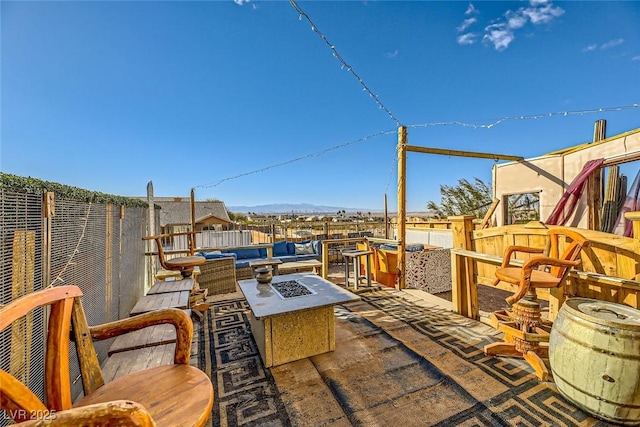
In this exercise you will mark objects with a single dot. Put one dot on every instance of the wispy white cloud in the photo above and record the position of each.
(241, 2)
(392, 54)
(471, 10)
(636, 58)
(500, 35)
(502, 32)
(603, 46)
(468, 38)
(542, 12)
(612, 43)
(466, 24)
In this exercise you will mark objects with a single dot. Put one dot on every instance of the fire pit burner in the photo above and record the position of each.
(291, 289)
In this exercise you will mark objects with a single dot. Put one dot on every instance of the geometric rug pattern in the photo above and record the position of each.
(440, 375)
(245, 393)
(522, 400)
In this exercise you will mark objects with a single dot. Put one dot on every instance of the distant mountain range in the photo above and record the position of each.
(295, 208)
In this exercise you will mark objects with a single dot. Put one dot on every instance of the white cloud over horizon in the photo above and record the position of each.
(502, 31)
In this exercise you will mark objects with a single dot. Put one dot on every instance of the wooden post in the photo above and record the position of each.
(49, 210)
(192, 237)
(386, 218)
(594, 182)
(325, 259)
(464, 291)
(22, 282)
(149, 261)
(402, 204)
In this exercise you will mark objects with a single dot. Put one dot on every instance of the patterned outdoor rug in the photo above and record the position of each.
(395, 362)
(245, 392)
(505, 391)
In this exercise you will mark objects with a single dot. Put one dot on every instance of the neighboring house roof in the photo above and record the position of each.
(177, 210)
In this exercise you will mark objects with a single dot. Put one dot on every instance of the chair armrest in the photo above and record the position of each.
(537, 261)
(174, 316)
(533, 263)
(116, 412)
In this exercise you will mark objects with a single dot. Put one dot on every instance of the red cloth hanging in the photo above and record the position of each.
(567, 204)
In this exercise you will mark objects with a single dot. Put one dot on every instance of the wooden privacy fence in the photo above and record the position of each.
(610, 269)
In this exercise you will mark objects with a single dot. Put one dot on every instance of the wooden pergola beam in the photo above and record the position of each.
(446, 152)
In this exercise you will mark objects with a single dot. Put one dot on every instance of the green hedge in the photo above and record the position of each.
(35, 185)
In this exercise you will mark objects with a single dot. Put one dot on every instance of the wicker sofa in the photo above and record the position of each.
(285, 251)
(218, 275)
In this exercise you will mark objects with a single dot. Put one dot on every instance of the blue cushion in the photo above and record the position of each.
(243, 263)
(389, 247)
(246, 253)
(291, 248)
(263, 252)
(288, 258)
(317, 247)
(416, 247)
(280, 248)
(214, 255)
(306, 257)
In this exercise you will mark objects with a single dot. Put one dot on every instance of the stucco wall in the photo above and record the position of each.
(551, 175)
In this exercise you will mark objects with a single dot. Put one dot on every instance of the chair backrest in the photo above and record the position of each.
(387, 261)
(570, 252)
(64, 303)
(161, 256)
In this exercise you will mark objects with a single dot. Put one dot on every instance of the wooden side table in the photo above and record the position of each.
(355, 256)
(185, 264)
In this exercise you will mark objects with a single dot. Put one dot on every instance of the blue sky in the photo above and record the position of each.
(244, 102)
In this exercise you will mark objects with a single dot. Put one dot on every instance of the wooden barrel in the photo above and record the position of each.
(594, 353)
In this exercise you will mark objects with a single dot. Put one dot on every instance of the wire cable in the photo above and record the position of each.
(297, 159)
(529, 117)
(344, 65)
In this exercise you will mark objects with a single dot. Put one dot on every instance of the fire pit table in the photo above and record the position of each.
(292, 316)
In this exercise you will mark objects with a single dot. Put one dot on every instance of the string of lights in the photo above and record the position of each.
(344, 65)
(425, 125)
(528, 117)
(297, 159)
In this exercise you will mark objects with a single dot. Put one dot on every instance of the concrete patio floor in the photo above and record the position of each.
(404, 377)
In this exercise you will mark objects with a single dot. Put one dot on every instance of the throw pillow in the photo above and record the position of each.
(280, 248)
(304, 249)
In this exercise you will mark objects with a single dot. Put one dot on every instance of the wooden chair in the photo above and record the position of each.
(169, 395)
(183, 264)
(387, 267)
(525, 331)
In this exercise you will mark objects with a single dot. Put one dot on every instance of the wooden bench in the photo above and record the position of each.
(164, 294)
(298, 266)
(154, 302)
